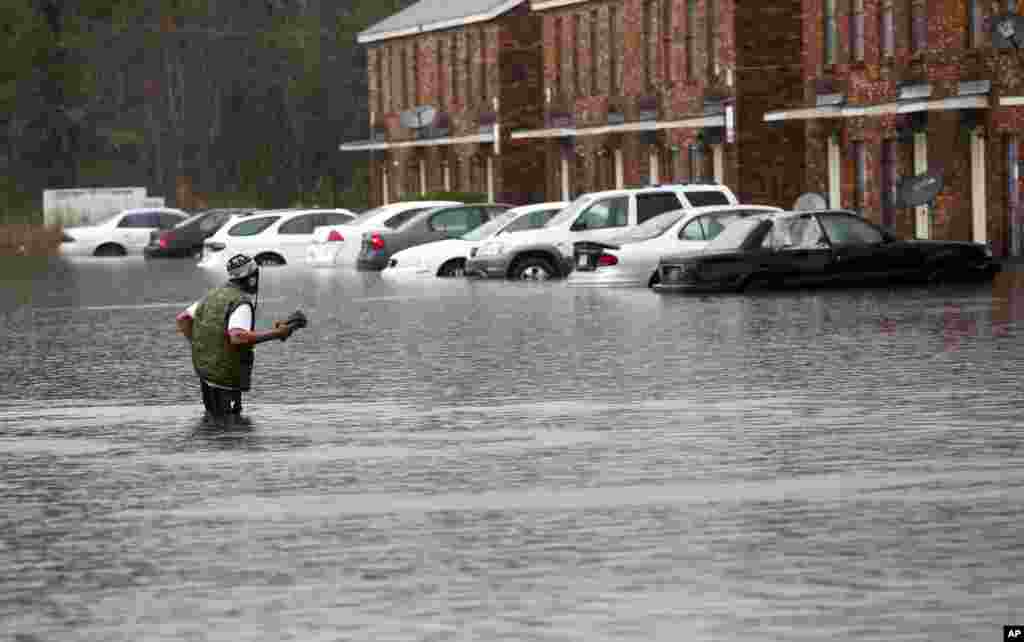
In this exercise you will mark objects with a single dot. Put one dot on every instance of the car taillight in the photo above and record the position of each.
(376, 242)
(607, 259)
(335, 235)
(165, 239)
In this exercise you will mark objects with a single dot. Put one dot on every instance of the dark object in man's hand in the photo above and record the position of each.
(295, 321)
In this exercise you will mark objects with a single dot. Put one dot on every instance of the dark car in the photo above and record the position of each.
(435, 224)
(186, 238)
(820, 248)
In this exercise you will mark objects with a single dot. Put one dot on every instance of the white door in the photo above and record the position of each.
(833, 173)
(978, 210)
(294, 235)
(922, 217)
(133, 230)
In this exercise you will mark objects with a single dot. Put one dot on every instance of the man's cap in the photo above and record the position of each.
(241, 266)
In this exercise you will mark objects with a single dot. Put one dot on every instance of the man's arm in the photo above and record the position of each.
(184, 322)
(251, 337)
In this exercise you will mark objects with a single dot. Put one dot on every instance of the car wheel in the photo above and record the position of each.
(453, 268)
(533, 268)
(109, 249)
(270, 260)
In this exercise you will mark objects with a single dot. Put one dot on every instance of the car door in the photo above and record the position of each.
(293, 236)
(133, 230)
(801, 254)
(863, 253)
(602, 220)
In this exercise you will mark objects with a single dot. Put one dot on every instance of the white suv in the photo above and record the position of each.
(547, 252)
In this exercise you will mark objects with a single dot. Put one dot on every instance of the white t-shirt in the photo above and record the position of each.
(240, 319)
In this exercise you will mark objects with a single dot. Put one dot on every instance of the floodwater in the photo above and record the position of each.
(474, 460)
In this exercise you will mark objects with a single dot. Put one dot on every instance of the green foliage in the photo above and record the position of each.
(464, 197)
(363, 15)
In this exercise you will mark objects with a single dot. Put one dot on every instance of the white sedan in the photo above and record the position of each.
(632, 259)
(126, 232)
(448, 257)
(271, 237)
(340, 244)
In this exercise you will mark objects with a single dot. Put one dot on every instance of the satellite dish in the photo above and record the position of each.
(417, 117)
(1007, 31)
(922, 189)
(810, 201)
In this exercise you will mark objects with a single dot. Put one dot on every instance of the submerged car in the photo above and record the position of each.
(272, 237)
(448, 222)
(547, 253)
(126, 232)
(632, 258)
(448, 257)
(334, 245)
(818, 248)
(186, 238)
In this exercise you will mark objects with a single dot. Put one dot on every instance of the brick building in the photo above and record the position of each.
(476, 65)
(897, 88)
(546, 100)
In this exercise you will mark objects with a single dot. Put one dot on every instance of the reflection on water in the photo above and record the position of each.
(458, 459)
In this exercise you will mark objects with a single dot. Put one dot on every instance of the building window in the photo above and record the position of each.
(453, 59)
(483, 65)
(559, 44)
(613, 45)
(667, 29)
(857, 30)
(830, 33)
(696, 163)
(471, 81)
(860, 177)
(378, 81)
(595, 88)
(577, 73)
(645, 46)
(414, 70)
(890, 177)
(691, 42)
(712, 36)
(887, 27)
(403, 88)
(973, 24)
(918, 25)
(439, 56)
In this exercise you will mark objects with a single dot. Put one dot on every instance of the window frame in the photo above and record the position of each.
(661, 195)
(579, 217)
(830, 33)
(460, 208)
(268, 222)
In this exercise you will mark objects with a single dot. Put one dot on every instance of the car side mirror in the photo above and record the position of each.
(577, 226)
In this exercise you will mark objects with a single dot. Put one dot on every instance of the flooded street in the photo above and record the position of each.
(477, 460)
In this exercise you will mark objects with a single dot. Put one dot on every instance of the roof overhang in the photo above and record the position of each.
(369, 145)
(366, 37)
(541, 5)
(897, 107)
(697, 122)
(1011, 101)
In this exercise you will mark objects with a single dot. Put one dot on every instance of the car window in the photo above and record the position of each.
(650, 204)
(735, 236)
(212, 222)
(140, 219)
(335, 218)
(797, 232)
(168, 220)
(610, 212)
(251, 227)
(692, 231)
(706, 197)
(303, 224)
(531, 221)
(456, 221)
(843, 228)
(400, 219)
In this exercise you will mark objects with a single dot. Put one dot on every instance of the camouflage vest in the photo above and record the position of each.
(213, 356)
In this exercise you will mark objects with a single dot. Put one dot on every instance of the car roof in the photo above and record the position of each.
(532, 207)
(167, 210)
(625, 191)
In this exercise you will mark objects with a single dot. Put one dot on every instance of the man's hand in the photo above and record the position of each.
(282, 329)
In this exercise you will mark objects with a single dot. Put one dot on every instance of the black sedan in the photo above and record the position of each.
(829, 247)
(186, 238)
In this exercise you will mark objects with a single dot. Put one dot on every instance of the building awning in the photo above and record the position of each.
(712, 120)
(369, 145)
(1011, 101)
(435, 15)
(896, 107)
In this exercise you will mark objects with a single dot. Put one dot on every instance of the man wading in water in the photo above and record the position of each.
(221, 327)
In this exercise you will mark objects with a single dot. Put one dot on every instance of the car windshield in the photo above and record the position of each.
(733, 236)
(652, 227)
(491, 227)
(570, 212)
